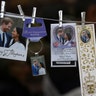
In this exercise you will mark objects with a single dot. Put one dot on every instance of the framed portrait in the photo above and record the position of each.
(12, 44)
(38, 66)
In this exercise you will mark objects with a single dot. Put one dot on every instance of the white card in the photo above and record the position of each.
(13, 45)
(63, 45)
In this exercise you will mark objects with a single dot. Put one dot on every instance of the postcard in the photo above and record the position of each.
(12, 44)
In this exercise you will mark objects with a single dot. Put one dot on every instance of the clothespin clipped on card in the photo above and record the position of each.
(35, 32)
(2, 9)
(60, 18)
(33, 15)
(83, 19)
(21, 12)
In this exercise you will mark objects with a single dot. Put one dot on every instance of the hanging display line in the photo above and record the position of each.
(49, 19)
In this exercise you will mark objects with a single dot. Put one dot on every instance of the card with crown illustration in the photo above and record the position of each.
(85, 37)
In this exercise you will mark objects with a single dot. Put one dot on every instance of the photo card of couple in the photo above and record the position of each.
(38, 65)
(12, 44)
(63, 45)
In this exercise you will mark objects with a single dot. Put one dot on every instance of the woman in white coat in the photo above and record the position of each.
(67, 38)
(18, 42)
(41, 69)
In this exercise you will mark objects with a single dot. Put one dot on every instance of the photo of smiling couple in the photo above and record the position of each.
(12, 39)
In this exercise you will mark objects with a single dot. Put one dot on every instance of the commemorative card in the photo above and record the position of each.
(63, 45)
(87, 58)
(12, 44)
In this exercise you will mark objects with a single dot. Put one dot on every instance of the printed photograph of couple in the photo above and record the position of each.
(64, 36)
(85, 36)
(11, 38)
(38, 66)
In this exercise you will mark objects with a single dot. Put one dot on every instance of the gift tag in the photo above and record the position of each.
(34, 32)
(87, 59)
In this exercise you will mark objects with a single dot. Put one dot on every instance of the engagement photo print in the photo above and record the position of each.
(38, 65)
(12, 44)
(63, 44)
(63, 37)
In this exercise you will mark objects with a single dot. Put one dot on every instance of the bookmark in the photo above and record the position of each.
(86, 58)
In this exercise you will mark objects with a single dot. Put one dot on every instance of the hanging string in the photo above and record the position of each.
(50, 19)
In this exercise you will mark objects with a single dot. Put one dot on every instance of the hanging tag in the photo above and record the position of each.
(87, 59)
(2, 8)
(38, 65)
(63, 45)
(36, 31)
(60, 18)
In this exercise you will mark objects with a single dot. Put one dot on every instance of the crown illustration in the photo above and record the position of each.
(89, 78)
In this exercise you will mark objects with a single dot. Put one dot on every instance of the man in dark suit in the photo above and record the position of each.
(5, 37)
(60, 35)
(35, 67)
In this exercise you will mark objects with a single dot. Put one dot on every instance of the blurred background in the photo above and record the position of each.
(58, 81)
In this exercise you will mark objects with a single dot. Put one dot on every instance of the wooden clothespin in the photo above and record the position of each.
(2, 9)
(21, 12)
(60, 18)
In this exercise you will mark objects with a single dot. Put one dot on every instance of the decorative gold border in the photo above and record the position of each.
(86, 58)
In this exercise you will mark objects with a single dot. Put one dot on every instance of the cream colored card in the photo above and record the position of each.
(86, 58)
